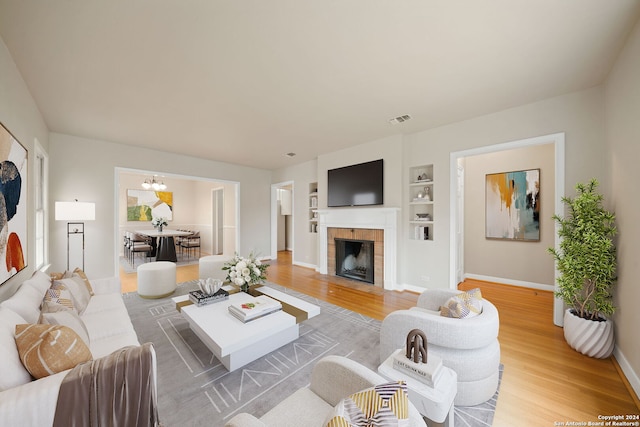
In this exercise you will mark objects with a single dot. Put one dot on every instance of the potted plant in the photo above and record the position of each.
(586, 260)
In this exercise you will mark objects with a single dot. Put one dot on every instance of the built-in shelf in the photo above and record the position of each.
(421, 202)
(313, 207)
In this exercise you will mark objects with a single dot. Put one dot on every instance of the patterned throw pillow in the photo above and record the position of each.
(48, 349)
(380, 406)
(463, 306)
(65, 317)
(58, 296)
(79, 292)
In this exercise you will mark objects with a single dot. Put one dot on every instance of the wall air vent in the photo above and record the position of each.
(400, 119)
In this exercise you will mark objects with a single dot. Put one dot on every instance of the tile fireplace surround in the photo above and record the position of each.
(385, 219)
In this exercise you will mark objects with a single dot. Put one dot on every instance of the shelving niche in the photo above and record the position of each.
(313, 207)
(421, 202)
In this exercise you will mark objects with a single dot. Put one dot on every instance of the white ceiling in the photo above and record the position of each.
(248, 81)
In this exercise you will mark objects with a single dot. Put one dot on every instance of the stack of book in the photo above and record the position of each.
(199, 298)
(427, 373)
(255, 308)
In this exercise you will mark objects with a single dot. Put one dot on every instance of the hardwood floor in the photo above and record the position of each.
(544, 381)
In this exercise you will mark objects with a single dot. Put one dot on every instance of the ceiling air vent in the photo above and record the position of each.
(400, 119)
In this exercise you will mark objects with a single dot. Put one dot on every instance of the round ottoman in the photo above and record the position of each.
(156, 279)
(211, 267)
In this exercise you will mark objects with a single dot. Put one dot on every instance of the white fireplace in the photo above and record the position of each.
(385, 219)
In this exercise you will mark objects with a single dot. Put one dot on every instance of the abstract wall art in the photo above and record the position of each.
(144, 205)
(513, 205)
(13, 205)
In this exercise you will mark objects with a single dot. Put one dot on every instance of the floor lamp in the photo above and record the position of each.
(75, 213)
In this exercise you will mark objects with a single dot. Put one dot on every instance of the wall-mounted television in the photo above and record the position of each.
(356, 185)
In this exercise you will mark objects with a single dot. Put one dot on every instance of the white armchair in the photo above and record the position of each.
(332, 379)
(468, 346)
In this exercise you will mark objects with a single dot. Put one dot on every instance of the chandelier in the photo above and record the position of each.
(152, 184)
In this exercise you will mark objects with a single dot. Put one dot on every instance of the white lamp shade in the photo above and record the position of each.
(75, 211)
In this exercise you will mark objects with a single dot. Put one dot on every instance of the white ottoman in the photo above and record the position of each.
(156, 279)
(211, 266)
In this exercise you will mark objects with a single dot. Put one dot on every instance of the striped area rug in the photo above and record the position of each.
(194, 388)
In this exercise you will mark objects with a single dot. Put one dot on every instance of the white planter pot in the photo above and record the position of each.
(589, 337)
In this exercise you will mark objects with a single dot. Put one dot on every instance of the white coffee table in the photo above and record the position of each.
(235, 343)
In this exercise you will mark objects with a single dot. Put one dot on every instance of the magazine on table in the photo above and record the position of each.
(254, 308)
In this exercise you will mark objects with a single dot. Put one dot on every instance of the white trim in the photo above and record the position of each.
(503, 281)
(628, 371)
(305, 264)
(376, 218)
(274, 217)
(558, 140)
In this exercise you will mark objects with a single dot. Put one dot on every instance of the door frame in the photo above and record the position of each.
(558, 140)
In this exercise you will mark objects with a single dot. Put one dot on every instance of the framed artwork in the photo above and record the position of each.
(144, 205)
(512, 203)
(13, 209)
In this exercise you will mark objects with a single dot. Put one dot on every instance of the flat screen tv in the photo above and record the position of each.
(356, 185)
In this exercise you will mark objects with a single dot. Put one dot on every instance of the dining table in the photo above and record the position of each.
(163, 243)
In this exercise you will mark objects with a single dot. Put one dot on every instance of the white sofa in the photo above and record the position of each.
(28, 402)
(468, 346)
(333, 378)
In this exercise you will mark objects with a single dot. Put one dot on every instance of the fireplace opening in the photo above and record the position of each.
(354, 259)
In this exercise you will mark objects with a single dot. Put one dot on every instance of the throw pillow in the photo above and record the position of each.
(48, 349)
(79, 291)
(463, 306)
(68, 318)
(85, 279)
(383, 405)
(57, 296)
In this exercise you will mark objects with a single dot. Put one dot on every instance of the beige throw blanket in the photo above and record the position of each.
(115, 390)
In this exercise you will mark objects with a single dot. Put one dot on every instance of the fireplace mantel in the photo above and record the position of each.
(377, 218)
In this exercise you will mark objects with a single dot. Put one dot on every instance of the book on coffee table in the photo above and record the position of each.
(254, 308)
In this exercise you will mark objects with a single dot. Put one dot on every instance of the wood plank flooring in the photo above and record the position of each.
(545, 382)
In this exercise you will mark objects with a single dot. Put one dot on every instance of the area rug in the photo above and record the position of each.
(194, 388)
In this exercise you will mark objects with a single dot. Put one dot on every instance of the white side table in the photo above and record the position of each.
(434, 403)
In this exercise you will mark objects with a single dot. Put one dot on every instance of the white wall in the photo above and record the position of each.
(305, 250)
(522, 261)
(84, 169)
(622, 106)
(19, 114)
(579, 115)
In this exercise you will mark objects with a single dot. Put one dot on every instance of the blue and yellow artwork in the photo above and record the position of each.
(513, 205)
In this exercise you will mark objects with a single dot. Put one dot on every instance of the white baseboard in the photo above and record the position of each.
(631, 375)
(305, 264)
(520, 283)
(411, 288)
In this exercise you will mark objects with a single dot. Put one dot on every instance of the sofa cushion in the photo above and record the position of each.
(12, 371)
(463, 306)
(68, 318)
(48, 349)
(39, 281)
(85, 279)
(79, 291)
(383, 405)
(26, 302)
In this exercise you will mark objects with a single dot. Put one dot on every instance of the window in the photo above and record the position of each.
(40, 175)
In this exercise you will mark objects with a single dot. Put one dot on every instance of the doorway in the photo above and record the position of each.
(456, 188)
(282, 218)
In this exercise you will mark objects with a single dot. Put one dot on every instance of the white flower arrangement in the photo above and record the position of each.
(245, 271)
(159, 221)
